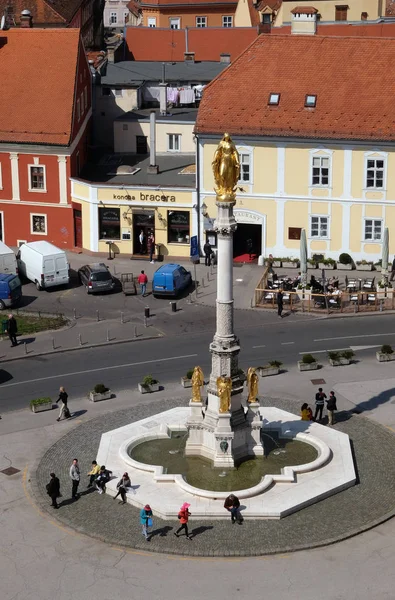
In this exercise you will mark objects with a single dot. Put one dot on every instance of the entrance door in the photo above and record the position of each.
(142, 222)
(247, 236)
(77, 228)
(141, 144)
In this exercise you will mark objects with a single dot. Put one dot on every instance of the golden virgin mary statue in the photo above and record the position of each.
(226, 168)
(197, 383)
(252, 382)
(224, 390)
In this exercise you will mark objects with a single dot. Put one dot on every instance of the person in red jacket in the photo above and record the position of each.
(143, 280)
(183, 516)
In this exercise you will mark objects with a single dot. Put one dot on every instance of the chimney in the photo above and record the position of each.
(153, 167)
(304, 20)
(163, 98)
(189, 57)
(224, 58)
(26, 19)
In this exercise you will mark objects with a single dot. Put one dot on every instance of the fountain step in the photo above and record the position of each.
(238, 418)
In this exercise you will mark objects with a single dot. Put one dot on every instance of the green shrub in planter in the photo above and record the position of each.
(100, 388)
(149, 380)
(347, 354)
(189, 374)
(308, 359)
(345, 259)
(275, 363)
(39, 401)
(334, 355)
(386, 349)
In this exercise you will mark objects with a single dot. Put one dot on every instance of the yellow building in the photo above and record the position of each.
(316, 141)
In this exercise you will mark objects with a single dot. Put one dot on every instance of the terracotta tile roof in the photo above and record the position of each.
(152, 44)
(37, 74)
(198, 3)
(389, 8)
(43, 11)
(347, 29)
(134, 7)
(304, 10)
(335, 69)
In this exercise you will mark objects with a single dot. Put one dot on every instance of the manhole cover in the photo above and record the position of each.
(10, 471)
(317, 381)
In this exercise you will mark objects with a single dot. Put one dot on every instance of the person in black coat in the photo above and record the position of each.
(12, 329)
(64, 411)
(207, 254)
(280, 304)
(393, 270)
(53, 489)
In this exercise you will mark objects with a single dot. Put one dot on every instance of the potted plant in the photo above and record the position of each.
(336, 358)
(272, 368)
(99, 392)
(385, 354)
(277, 262)
(308, 363)
(40, 404)
(186, 381)
(148, 385)
(291, 263)
(345, 262)
(364, 265)
(327, 263)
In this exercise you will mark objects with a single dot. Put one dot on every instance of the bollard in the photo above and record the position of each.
(74, 313)
(202, 282)
(381, 306)
(145, 322)
(146, 312)
(39, 314)
(173, 306)
(135, 331)
(122, 318)
(53, 343)
(108, 335)
(189, 299)
(80, 339)
(97, 315)
(25, 347)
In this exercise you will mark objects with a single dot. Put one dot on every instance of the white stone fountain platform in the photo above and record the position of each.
(274, 497)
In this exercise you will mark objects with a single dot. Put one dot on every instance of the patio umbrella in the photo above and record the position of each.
(303, 257)
(384, 256)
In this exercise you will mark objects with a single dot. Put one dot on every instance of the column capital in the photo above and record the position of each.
(14, 156)
(62, 159)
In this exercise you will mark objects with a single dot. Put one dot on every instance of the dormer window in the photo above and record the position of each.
(274, 99)
(310, 101)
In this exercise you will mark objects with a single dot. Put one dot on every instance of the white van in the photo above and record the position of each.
(8, 264)
(44, 264)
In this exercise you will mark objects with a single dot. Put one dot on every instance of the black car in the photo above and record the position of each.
(96, 278)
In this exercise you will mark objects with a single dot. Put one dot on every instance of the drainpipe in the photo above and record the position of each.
(186, 39)
(198, 191)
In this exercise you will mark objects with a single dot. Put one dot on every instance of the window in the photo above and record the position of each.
(373, 229)
(227, 21)
(126, 17)
(245, 167)
(1, 182)
(37, 178)
(38, 224)
(319, 227)
(126, 234)
(1, 227)
(310, 101)
(177, 227)
(174, 142)
(341, 13)
(174, 23)
(109, 223)
(152, 22)
(201, 21)
(20, 243)
(118, 93)
(320, 173)
(375, 173)
(113, 18)
(274, 99)
(294, 233)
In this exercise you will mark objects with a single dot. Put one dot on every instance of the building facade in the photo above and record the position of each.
(180, 14)
(118, 13)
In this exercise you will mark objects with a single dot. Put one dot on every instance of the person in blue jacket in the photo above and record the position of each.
(146, 520)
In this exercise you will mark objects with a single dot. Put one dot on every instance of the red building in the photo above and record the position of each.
(45, 113)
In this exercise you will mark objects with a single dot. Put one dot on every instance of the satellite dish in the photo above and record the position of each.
(2, 22)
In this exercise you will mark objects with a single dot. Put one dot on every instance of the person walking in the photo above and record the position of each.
(151, 247)
(183, 516)
(232, 505)
(53, 489)
(146, 520)
(143, 280)
(64, 411)
(207, 253)
(319, 404)
(393, 270)
(93, 473)
(12, 330)
(331, 407)
(280, 304)
(142, 242)
(75, 479)
(122, 486)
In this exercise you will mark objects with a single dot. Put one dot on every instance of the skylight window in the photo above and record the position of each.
(274, 99)
(310, 101)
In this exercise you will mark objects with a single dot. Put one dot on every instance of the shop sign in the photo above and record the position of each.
(247, 217)
(145, 197)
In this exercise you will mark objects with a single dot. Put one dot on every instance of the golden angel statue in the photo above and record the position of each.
(197, 383)
(252, 382)
(224, 389)
(226, 167)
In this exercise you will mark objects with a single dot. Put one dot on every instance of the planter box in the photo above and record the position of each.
(291, 265)
(340, 362)
(41, 407)
(307, 367)
(186, 383)
(149, 388)
(365, 267)
(377, 268)
(385, 357)
(277, 263)
(344, 267)
(266, 371)
(314, 266)
(94, 397)
(322, 266)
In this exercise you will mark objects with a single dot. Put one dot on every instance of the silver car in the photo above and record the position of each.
(96, 278)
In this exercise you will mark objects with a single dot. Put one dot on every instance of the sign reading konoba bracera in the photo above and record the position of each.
(145, 197)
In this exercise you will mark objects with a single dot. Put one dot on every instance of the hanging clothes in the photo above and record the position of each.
(187, 96)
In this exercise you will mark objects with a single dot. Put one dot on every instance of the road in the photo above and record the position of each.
(167, 359)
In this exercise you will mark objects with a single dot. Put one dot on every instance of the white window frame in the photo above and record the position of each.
(319, 236)
(174, 22)
(171, 141)
(20, 243)
(29, 175)
(245, 151)
(117, 93)
(374, 220)
(321, 153)
(1, 178)
(226, 18)
(151, 22)
(375, 156)
(320, 157)
(201, 22)
(2, 227)
(111, 22)
(45, 221)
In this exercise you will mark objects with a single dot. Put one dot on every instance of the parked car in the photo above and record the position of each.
(8, 262)
(44, 264)
(96, 278)
(170, 280)
(10, 290)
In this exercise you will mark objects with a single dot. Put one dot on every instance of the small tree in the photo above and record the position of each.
(308, 359)
(386, 349)
(345, 259)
